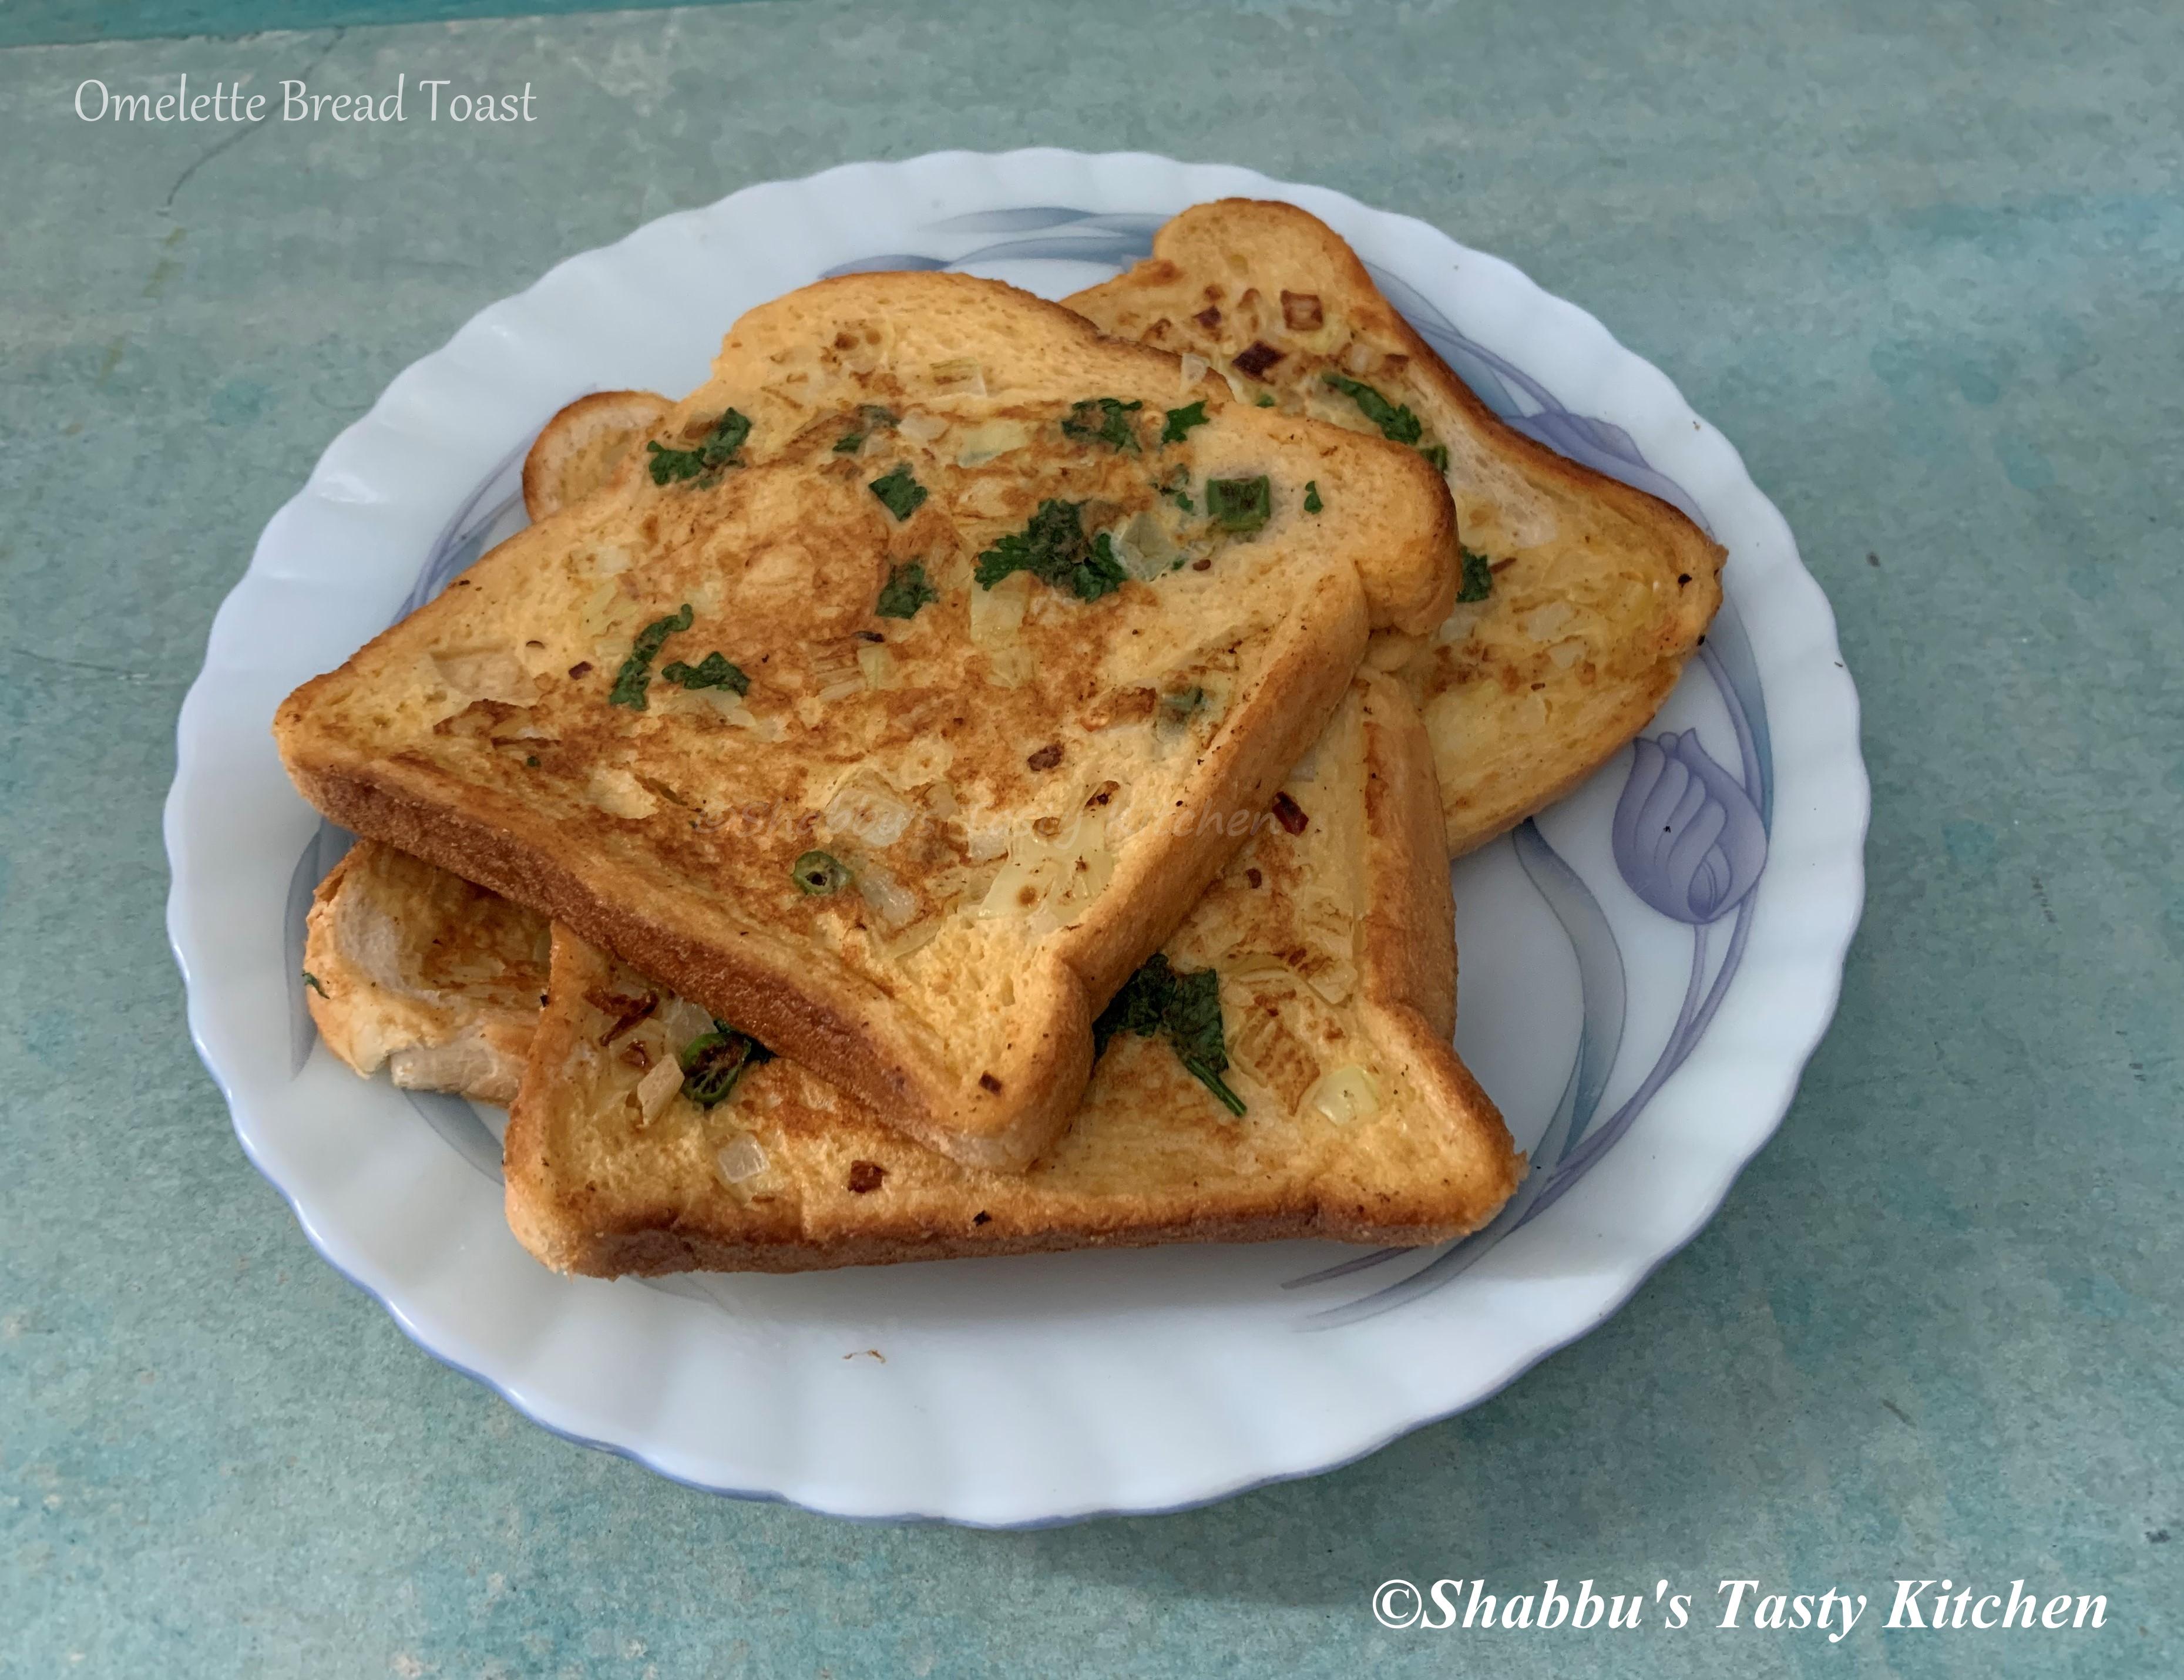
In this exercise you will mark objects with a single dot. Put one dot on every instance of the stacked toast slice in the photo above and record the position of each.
(802, 711)
(1581, 598)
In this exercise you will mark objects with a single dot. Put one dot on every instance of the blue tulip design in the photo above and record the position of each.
(1691, 843)
(1687, 836)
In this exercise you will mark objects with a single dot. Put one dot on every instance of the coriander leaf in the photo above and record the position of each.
(670, 465)
(1477, 577)
(1180, 421)
(715, 450)
(1181, 706)
(1103, 420)
(713, 672)
(1138, 1007)
(1438, 455)
(636, 673)
(901, 494)
(1265, 401)
(714, 1063)
(1398, 424)
(1185, 1008)
(312, 981)
(905, 591)
(726, 438)
(1238, 504)
(1192, 1021)
(1054, 548)
(1100, 574)
(1312, 505)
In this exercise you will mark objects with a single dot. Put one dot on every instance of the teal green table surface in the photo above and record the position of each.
(1923, 264)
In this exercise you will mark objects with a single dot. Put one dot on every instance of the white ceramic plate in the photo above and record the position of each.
(1641, 1018)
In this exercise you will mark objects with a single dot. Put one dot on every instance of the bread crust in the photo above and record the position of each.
(418, 971)
(580, 447)
(1269, 244)
(848, 1033)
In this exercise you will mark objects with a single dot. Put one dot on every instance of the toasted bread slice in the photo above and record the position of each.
(1598, 592)
(1331, 945)
(581, 447)
(835, 823)
(416, 969)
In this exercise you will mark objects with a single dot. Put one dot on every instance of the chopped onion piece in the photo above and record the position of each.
(495, 674)
(920, 427)
(742, 1160)
(870, 810)
(616, 792)
(1334, 982)
(730, 706)
(1344, 1094)
(997, 614)
(962, 376)
(658, 1088)
(914, 937)
(893, 903)
(1020, 888)
(1193, 369)
(991, 439)
(1145, 548)
(1545, 621)
(878, 664)
(684, 1020)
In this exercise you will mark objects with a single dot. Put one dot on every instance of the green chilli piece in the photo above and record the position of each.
(1397, 424)
(714, 1063)
(635, 676)
(819, 875)
(1180, 421)
(1183, 1007)
(716, 450)
(1477, 577)
(1239, 504)
(1312, 505)
(899, 493)
(714, 670)
(1182, 705)
(905, 591)
(1103, 420)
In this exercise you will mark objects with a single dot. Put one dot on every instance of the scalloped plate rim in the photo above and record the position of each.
(350, 450)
